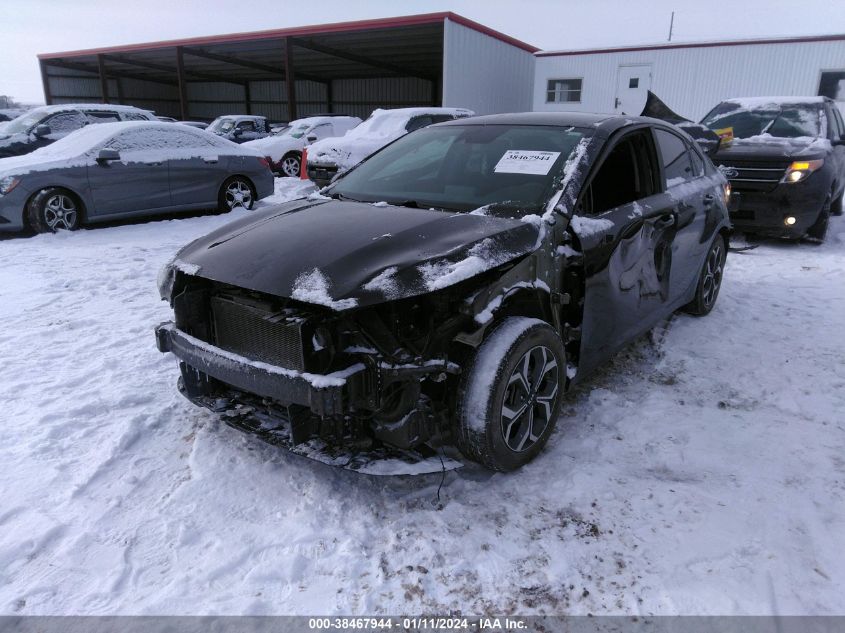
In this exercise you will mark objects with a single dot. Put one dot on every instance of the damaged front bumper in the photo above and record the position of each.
(324, 394)
(295, 410)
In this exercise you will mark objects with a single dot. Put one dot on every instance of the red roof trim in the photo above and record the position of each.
(630, 49)
(459, 19)
(317, 29)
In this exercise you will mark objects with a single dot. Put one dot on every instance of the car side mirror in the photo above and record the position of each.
(107, 155)
(42, 130)
(311, 138)
(237, 131)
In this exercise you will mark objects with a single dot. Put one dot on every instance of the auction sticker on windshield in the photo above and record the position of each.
(520, 161)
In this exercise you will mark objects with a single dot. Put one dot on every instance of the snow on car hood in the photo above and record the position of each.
(343, 254)
(345, 152)
(276, 146)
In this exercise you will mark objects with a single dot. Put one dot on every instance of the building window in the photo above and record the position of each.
(563, 91)
(634, 82)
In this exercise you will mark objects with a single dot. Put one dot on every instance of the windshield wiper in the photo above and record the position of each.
(340, 196)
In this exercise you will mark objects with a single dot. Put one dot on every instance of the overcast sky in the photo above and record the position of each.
(29, 27)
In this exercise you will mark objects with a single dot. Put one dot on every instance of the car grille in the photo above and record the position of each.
(257, 334)
(746, 175)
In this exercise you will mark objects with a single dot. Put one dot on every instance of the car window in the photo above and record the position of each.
(247, 126)
(418, 122)
(65, 123)
(836, 123)
(627, 174)
(324, 130)
(697, 163)
(465, 167)
(676, 157)
(153, 139)
(102, 117)
(135, 116)
(776, 119)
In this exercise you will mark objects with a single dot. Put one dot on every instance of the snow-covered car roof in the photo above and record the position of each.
(759, 102)
(84, 107)
(390, 122)
(241, 117)
(79, 145)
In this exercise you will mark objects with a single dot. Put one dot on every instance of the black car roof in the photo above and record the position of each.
(608, 122)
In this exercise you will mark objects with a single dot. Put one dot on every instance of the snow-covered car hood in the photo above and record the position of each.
(345, 152)
(347, 254)
(275, 147)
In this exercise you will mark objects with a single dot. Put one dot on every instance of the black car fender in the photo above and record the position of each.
(518, 291)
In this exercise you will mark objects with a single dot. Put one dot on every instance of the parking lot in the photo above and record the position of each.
(702, 471)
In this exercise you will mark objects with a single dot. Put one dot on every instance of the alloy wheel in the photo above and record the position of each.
(290, 166)
(238, 194)
(712, 273)
(529, 399)
(60, 213)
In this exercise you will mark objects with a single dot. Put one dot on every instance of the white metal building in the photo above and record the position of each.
(689, 78)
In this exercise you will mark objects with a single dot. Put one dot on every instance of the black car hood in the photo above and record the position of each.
(344, 254)
(762, 147)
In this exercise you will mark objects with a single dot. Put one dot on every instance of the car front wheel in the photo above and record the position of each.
(52, 210)
(511, 395)
(818, 232)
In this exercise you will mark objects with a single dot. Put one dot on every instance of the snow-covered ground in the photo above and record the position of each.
(703, 471)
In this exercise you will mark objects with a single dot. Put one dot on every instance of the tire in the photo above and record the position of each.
(236, 191)
(53, 209)
(836, 207)
(521, 361)
(290, 164)
(709, 279)
(818, 232)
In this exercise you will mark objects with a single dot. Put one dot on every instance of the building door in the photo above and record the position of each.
(632, 87)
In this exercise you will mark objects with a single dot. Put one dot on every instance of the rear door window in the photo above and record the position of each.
(143, 140)
(102, 117)
(677, 164)
(324, 130)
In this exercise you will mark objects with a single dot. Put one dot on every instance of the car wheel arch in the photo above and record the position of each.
(78, 198)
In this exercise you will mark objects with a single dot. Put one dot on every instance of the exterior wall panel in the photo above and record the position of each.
(483, 73)
(693, 80)
(359, 97)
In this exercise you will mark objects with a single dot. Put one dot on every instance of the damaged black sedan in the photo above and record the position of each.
(449, 290)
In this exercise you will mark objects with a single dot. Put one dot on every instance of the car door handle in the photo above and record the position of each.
(210, 161)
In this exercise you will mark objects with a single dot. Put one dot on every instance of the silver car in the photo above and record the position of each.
(120, 170)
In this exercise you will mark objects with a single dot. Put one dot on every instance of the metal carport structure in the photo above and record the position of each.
(349, 67)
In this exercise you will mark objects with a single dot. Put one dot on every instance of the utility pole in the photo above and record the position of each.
(671, 25)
